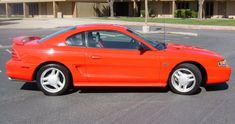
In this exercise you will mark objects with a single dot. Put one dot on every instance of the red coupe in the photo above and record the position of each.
(112, 55)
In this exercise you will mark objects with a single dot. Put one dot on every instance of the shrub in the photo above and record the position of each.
(142, 13)
(194, 14)
(185, 13)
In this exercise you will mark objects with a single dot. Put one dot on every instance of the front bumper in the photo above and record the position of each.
(218, 74)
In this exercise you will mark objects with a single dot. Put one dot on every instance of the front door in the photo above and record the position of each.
(113, 59)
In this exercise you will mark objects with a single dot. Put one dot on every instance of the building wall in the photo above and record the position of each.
(160, 8)
(230, 9)
(66, 8)
(90, 8)
(45, 10)
(86, 9)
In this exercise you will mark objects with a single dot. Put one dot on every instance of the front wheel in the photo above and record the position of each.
(53, 79)
(185, 79)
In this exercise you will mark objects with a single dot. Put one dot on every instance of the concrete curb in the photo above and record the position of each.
(5, 47)
(183, 26)
(177, 33)
(54, 23)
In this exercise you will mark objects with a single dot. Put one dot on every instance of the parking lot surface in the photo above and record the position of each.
(23, 103)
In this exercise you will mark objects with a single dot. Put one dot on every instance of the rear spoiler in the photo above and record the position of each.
(24, 39)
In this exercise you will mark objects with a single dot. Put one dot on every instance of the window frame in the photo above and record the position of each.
(86, 39)
(83, 40)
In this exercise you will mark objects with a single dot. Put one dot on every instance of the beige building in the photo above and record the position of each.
(91, 8)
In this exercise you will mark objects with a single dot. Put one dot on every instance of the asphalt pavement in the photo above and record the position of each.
(23, 103)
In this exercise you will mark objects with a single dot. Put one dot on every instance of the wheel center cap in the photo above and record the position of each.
(53, 79)
(183, 80)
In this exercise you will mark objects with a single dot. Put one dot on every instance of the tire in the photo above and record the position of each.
(53, 79)
(185, 79)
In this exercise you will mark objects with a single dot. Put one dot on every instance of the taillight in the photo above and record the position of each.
(14, 55)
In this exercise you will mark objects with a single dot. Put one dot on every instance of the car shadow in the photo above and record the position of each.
(8, 21)
(217, 87)
(32, 86)
(122, 90)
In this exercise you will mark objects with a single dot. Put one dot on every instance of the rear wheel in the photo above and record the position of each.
(185, 79)
(53, 79)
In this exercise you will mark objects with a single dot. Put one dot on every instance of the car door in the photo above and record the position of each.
(74, 56)
(113, 59)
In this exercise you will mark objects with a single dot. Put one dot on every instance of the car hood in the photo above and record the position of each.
(183, 49)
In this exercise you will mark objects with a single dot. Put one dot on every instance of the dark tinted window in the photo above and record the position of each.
(76, 40)
(111, 39)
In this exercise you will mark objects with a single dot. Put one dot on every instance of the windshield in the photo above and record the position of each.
(156, 44)
(56, 33)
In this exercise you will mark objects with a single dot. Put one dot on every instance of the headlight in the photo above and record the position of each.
(222, 63)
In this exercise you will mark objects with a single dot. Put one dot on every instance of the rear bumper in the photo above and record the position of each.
(18, 70)
(218, 75)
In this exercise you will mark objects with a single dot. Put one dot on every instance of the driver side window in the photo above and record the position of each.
(111, 39)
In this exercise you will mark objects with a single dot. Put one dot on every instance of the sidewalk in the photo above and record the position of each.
(55, 23)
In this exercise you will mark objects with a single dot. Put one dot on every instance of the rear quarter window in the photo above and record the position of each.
(56, 34)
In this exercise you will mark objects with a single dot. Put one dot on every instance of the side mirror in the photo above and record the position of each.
(142, 48)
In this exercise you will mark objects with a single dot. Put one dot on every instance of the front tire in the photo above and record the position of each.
(185, 79)
(53, 79)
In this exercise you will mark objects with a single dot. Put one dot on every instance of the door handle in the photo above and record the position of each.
(95, 57)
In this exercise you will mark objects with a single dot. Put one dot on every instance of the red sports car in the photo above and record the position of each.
(112, 55)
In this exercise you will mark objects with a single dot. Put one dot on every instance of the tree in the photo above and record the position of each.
(111, 7)
(200, 8)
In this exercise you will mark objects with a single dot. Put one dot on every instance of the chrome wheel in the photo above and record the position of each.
(52, 80)
(183, 80)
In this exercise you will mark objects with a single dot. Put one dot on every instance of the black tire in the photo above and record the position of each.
(67, 76)
(198, 76)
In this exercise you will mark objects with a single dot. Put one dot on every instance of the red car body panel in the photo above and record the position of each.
(110, 67)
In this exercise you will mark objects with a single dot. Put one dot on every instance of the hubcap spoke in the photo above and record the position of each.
(45, 83)
(177, 76)
(180, 73)
(59, 83)
(190, 80)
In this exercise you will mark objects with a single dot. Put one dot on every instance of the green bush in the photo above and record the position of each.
(142, 13)
(194, 14)
(185, 13)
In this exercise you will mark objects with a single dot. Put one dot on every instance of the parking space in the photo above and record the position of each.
(22, 102)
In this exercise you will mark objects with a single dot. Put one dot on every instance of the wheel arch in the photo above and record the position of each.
(50, 62)
(197, 64)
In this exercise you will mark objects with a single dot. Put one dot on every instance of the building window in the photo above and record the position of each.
(33, 9)
(2, 9)
(17, 9)
(182, 5)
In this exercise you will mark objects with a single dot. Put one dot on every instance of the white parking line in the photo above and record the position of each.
(9, 51)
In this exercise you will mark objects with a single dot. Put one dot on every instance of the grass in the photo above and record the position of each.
(217, 22)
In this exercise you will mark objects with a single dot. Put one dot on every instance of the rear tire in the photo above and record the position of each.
(53, 79)
(185, 79)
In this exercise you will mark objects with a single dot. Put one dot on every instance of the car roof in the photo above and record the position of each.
(111, 26)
